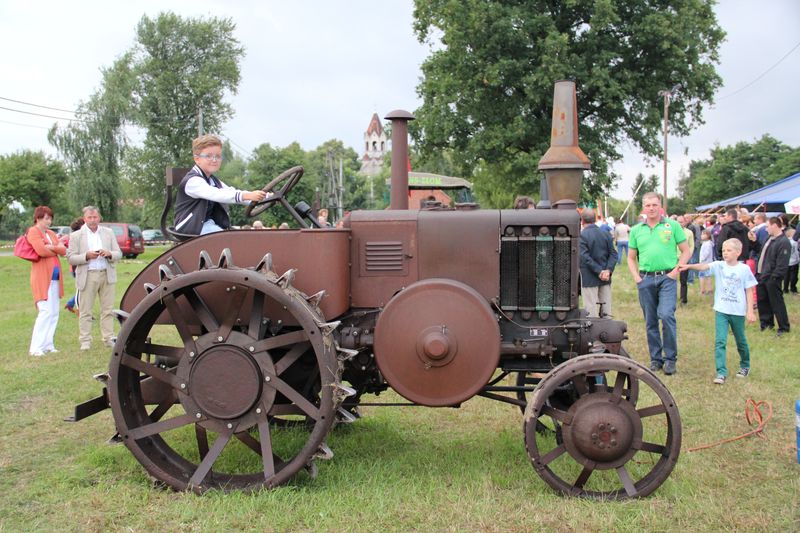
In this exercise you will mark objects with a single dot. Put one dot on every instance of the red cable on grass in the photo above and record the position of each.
(752, 411)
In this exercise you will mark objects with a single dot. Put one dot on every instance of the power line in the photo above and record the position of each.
(762, 74)
(42, 106)
(25, 125)
(41, 115)
(244, 150)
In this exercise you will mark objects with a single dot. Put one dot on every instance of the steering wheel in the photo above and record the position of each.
(290, 177)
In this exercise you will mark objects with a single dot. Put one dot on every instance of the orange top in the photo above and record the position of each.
(42, 270)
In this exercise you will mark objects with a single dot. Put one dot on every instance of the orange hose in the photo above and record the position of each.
(752, 412)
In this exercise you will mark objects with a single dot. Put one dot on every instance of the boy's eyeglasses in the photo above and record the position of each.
(210, 157)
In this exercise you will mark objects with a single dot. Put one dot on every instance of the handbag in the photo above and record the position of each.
(24, 250)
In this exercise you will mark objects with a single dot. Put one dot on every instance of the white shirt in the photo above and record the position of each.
(730, 291)
(95, 244)
(197, 187)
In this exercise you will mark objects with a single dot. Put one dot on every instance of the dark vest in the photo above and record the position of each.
(190, 213)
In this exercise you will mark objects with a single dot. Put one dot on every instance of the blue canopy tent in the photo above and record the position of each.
(769, 198)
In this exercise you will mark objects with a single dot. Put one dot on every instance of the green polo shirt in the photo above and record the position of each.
(657, 246)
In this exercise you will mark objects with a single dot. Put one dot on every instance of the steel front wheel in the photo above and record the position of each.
(222, 353)
(612, 446)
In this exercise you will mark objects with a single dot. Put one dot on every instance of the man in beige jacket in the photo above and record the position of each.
(93, 250)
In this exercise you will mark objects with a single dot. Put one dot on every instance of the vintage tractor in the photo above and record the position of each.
(239, 351)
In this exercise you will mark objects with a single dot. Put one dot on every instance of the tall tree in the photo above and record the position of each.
(737, 169)
(93, 145)
(184, 69)
(487, 86)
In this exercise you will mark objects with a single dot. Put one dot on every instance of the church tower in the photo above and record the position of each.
(376, 145)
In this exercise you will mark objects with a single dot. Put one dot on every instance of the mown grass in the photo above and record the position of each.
(396, 469)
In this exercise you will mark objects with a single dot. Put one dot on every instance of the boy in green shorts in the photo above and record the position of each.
(732, 303)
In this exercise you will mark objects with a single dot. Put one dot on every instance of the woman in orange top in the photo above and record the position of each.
(47, 283)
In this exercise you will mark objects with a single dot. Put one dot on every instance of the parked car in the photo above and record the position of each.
(152, 235)
(129, 238)
(61, 230)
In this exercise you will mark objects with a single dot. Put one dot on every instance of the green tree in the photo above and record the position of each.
(33, 179)
(488, 84)
(322, 163)
(737, 169)
(184, 69)
(93, 146)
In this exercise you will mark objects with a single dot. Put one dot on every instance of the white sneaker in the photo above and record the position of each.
(85, 347)
(37, 353)
(719, 380)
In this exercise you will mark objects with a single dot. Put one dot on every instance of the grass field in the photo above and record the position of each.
(397, 469)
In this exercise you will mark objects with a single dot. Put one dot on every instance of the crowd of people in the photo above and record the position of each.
(753, 260)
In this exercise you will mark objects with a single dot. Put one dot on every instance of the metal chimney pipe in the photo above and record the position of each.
(563, 164)
(399, 183)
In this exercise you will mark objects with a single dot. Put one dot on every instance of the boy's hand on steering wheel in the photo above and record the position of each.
(254, 196)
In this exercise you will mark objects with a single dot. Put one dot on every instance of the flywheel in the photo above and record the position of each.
(437, 342)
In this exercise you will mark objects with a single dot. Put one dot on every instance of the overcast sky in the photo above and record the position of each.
(317, 70)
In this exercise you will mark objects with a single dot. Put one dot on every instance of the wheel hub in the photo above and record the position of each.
(601, 430)
(225, 382)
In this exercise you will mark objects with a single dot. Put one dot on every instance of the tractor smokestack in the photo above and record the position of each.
(564, 162)
(399, 183)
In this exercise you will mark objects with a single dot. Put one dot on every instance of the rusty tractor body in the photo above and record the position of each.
(269, 338)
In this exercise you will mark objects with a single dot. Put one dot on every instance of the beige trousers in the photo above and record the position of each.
(97, 287)
(597, 300)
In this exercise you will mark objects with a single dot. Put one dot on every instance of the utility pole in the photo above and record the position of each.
(199, 121)
(668, 94)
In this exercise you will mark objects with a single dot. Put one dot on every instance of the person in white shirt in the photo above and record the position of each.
(94, 251)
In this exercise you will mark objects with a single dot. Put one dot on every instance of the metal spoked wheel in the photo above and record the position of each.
(223, 353)
(611, 447)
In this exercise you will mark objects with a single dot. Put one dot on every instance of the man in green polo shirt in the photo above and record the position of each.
(655, 249)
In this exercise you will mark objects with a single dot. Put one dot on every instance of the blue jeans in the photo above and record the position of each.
(209, 226)
(693, 261)
(622, 251)
(658, 296)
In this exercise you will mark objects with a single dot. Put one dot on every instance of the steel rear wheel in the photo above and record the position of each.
(223, 353)
(612, 447)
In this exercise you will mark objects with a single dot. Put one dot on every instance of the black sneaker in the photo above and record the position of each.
(655, 366)
(669, 368)
(743, 373)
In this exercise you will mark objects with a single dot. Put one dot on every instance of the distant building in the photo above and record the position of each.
(376, 145)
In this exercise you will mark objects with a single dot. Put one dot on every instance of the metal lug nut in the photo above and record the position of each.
(266, 378)
(230, 426)
(183, 385)
(219, 338)
(258, 410)
(198, 415)
(252, 348)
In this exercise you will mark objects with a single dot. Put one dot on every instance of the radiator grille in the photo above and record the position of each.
(535, 272)
(561, 280)
(383, 256)
(509, 252)
(544, 269)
